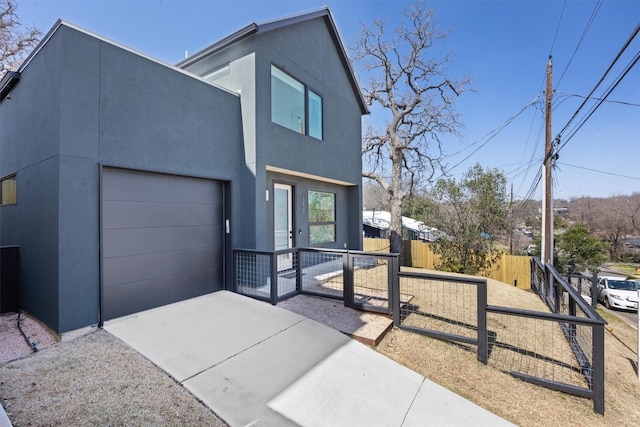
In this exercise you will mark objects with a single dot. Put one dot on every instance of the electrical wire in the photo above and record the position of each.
(489, 136)
(570, 95)
(599, 103)
(592, 18)
(599, 171)
(624, 47)
(31, 344)
(555, 36)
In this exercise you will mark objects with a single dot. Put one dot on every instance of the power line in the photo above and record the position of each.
(489, 136)
(569, 95)
(624, 47)
(599, 171)
(555, 36)
(592, 18)
(595, 107)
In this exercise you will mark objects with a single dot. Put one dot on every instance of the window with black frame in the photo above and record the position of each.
(322, 217)
(295, 106)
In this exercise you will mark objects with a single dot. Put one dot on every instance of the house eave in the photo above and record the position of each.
(262, 27)
(9, 80)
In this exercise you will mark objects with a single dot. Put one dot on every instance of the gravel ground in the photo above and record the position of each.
(91, 380)
(13, 345)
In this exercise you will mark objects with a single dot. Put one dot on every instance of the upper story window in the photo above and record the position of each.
(9, 190)
(295, 106)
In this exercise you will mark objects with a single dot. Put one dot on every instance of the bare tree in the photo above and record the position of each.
(374, 197)
(612, 219)
(408, 82)
(16, 41)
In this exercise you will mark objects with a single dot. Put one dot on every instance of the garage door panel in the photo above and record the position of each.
(162, 239)
(122, 270)
(144, 295)
(137, 241)
(152, 187)
(132, 214)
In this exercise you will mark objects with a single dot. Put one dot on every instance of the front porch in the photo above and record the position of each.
(349, 291)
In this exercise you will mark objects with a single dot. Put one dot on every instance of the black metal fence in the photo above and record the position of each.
(562, 349)
(362, 279)
(443, 306)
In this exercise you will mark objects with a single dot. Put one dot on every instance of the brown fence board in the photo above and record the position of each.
(510, 269)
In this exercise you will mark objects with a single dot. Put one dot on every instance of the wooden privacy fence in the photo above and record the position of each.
(512, 269)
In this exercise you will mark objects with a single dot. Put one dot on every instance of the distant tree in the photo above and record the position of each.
(374, 197)
(613, 221)
(16, 42)
(408, 83)
(474, 215)
(527, 212)
(578, 245)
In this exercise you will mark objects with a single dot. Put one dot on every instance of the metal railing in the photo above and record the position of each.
(447, 307)
(362, 279)
(561, 350)
(581, 325)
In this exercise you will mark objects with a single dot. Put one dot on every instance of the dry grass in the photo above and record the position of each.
(96, 380)
(456, 367)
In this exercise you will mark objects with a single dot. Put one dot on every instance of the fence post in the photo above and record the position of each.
(483, 336)
(298, 267)
(234, 273)
(274, 279)
(347, 274)
(550, 290)
(594, 289)
(598, 369)
(394, 267)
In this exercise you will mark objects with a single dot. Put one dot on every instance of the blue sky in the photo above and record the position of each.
(503, 45)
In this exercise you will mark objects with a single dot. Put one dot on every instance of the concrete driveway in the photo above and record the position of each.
(256, 364)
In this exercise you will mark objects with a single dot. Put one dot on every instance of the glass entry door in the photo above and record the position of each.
(283, 223)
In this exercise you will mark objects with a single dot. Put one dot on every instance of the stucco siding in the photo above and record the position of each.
(78, 243)
(309, 54)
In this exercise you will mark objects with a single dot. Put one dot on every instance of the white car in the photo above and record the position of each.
(618, 293)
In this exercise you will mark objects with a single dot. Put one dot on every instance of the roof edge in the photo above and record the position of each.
(225, 42)
(9, 80)
(273, 24)
(62, 23)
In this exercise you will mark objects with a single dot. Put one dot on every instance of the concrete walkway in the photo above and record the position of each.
(256, 364)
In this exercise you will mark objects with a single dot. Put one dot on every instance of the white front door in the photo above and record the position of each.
(283, 223)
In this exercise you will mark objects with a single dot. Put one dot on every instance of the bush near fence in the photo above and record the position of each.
(511, 269)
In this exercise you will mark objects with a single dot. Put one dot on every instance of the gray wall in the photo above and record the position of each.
(308, 53)
(29, 140)
(345, 200)
(82, 102)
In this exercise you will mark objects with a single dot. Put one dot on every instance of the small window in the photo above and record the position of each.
(322, 217)
(295, 106)
(9, 190)
(315, 115)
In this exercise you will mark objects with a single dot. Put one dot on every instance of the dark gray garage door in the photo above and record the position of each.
(162, 240)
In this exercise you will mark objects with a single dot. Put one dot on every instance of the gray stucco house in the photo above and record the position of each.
(126, 182)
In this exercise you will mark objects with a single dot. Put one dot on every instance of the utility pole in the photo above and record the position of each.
(511, 222)
(547, 197)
